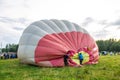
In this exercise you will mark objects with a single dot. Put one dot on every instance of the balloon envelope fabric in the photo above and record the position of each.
(45, 42)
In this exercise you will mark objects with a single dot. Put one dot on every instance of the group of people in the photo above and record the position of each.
(68, 56)
(108, 53)
(8, 56)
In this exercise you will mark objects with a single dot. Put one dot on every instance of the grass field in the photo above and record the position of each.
(108, 68)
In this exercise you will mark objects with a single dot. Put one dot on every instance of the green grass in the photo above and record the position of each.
(108, 68)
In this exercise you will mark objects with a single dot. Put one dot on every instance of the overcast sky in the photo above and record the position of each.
(101, 18)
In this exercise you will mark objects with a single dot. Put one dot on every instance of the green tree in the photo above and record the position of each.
(109, 45)
(10, 48)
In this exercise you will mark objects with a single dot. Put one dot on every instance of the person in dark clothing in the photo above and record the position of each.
(66, 60)
(67, 57)
(11, 56)
(6, 56)
(80, 56)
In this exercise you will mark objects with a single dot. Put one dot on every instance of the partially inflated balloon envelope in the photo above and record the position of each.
(45, 42)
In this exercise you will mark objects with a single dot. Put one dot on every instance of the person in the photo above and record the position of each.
(11, 56)
(5, 55)
(66, 59)
(80, 56)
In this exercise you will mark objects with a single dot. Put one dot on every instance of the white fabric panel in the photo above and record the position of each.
(80, 29)
(69, 25)
(26, 53)
(35, 30)
(61, 25)
(43, 26)
(21, 51)
(32, 40)
(53, 26)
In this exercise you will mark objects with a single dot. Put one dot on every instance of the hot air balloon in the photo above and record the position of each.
(45, 42)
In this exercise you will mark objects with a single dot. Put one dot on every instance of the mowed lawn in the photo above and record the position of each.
(108, 68)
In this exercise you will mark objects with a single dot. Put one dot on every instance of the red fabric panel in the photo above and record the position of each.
(52, 47)
(57, 62)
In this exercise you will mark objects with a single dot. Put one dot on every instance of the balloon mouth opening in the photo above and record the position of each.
(75, 57)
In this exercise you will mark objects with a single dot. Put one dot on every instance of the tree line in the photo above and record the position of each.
(109, 45)
(10, 48)
(103, 45)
